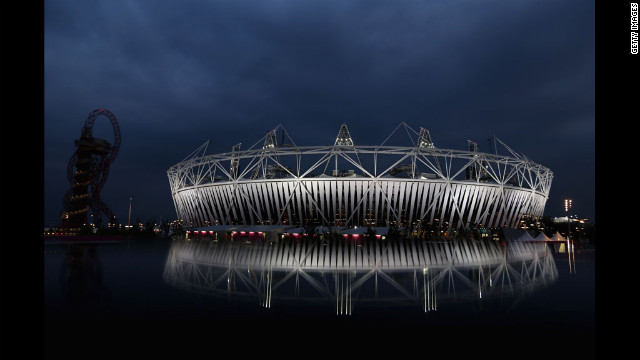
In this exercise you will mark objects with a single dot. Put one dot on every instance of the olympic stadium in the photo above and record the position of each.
(344, 185)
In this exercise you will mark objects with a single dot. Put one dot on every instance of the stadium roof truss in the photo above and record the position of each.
(282, 183)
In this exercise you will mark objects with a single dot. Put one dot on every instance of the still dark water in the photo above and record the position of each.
(132, 300)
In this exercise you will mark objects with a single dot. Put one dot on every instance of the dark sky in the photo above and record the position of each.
(179, 73)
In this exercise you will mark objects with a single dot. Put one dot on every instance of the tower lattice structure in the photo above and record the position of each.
(87, 173)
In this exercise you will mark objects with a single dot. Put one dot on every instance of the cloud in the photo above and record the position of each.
(179, 73)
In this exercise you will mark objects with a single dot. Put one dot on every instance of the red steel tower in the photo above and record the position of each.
(87, 172)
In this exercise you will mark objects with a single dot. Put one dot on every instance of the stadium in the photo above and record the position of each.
(276, 184)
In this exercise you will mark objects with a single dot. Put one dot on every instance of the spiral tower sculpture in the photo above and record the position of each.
(87, 173)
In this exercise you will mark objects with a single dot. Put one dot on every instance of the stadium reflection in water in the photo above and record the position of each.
(342, 275)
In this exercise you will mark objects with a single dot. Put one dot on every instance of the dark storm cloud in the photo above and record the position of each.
(179, 73)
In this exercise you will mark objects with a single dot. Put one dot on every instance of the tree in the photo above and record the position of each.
(165, 227)
(86, 230)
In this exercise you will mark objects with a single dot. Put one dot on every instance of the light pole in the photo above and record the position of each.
(129, 224)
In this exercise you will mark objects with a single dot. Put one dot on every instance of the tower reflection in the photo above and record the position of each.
(81, 279)
(342, 274)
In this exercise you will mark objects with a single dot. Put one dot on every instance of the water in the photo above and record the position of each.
(166, 297)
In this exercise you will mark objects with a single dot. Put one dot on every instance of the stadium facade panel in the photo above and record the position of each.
(348, 185)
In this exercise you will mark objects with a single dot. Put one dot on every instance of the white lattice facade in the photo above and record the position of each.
(350, 185)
